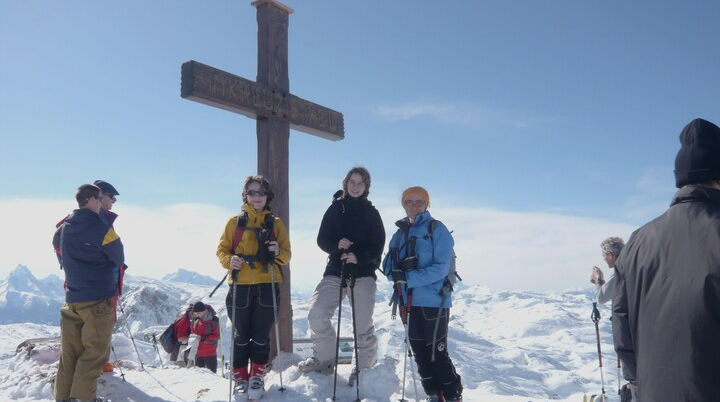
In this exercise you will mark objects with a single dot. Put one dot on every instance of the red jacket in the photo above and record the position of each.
(209, 332)
(181, 327)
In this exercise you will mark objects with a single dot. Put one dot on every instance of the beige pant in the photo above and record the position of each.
(324, 304)
(85, 330)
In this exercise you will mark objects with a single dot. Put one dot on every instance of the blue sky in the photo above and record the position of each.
(539, 128)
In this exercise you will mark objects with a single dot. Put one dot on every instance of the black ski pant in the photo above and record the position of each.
(254, 317)
(439, 375)
(209, 362)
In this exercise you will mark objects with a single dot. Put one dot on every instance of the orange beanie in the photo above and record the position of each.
(417, 190)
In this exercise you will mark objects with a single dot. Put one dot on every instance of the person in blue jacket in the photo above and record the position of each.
(418, 262)
(90, 252)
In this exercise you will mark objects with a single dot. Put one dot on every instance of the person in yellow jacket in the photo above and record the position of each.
(252, 247)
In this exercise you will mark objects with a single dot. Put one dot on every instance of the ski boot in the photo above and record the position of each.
(256, 384)
(240, 384)
(312, 364)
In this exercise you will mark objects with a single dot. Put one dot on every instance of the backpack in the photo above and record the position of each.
(452, 277)
(168, 340)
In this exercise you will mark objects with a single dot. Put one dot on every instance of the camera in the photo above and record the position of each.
(264, 255)
(408, 263)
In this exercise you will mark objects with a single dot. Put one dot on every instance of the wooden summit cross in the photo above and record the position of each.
(276, 110)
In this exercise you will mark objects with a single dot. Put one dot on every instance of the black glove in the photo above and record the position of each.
(409, 263)
(399, 277)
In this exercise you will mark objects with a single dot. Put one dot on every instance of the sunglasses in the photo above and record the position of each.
(256, 193)
(416, 203)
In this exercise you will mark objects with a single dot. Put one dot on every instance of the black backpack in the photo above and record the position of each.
(168, 340)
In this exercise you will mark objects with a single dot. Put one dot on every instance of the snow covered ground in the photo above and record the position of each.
(507, 346)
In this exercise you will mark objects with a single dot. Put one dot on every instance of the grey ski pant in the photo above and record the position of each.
(324, 304)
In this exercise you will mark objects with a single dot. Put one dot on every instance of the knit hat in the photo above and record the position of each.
(698, 159)
(198, 307)
(417, 190)
(106, 187)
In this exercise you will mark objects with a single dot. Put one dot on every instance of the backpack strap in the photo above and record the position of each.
(239, 229)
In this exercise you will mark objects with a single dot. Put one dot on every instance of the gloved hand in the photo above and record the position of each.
(597, 276)
(399, 276)
(409, 263)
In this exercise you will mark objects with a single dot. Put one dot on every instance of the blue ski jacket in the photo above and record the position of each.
(434, 253)
(91, 252)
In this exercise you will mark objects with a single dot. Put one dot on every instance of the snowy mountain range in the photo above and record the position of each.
(24, 298)
(507, 346)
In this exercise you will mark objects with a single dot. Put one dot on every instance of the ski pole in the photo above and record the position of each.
(222, 350)
(118, 366)
(233, 332)
(595, 316)
(405, 319)
(618, 372)
(337, 337)
(407, 335)
(277, 330)
(132, 338)
(357, 356)
(154, 340)
(218, 285)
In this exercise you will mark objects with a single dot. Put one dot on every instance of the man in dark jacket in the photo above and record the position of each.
(90, 252)
(666, 310)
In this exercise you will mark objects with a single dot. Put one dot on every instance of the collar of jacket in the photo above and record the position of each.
(254, 216)
(419, 220)
(695, 193)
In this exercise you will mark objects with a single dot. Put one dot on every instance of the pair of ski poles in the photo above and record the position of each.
(234, 328)
(337, 337)
(595, 317)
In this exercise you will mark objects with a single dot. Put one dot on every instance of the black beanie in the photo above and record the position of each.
(198, 307)
(698, 159)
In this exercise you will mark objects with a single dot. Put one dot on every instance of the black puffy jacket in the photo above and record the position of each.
(357, 220)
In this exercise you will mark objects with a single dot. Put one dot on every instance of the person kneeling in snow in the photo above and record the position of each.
(206, 326)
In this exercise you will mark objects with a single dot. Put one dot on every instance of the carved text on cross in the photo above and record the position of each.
(218, 88)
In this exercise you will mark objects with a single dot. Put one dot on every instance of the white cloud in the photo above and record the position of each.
(501, 249)
(455, 113)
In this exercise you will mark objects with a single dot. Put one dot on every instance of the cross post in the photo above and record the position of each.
(269, 101)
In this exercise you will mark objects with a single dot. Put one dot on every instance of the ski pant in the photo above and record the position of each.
(176, 351)
(85, 333)
(440, 375)
(209, 362)
(253, 319)
(324, 303)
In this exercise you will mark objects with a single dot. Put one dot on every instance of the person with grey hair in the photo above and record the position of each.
(605, 291)
(611, 248)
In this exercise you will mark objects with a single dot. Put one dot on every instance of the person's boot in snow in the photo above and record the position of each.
(312, 364)
(256, 384)
(240, 377)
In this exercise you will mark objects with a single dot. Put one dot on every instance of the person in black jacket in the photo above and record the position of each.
(353, 235)
(666, 309)
(90, 253)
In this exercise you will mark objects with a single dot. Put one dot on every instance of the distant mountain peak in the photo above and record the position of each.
(191, 277)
